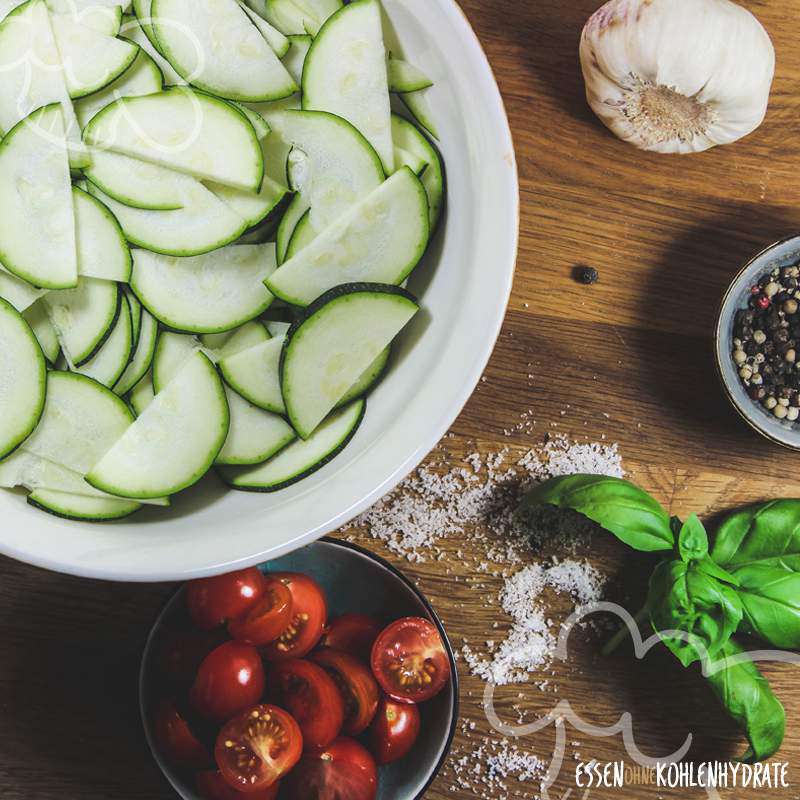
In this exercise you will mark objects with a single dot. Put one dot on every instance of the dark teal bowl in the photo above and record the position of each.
(354, 580)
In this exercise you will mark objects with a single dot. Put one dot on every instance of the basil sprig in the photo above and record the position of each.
(748, 581)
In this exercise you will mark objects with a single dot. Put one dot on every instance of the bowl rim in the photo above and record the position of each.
(73, 562)
(455, 681)
(726, 297)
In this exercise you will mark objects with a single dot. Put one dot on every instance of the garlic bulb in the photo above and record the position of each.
(677, 76)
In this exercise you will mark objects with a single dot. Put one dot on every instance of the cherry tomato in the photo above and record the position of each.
(309, 612)
(230, 679)
(343, 771)
(311, 696)
(409, 660)
(182, 652)
(267, 618)
(352, 633)
(212, 786)
(357, 686)
(174, 738)
(393, 731)
(258, 747)
(213, 601)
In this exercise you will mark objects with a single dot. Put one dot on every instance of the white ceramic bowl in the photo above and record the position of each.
(464, 285)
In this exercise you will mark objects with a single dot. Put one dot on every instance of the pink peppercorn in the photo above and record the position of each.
(763, 301)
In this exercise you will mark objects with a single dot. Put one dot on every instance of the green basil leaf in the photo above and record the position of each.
(692, 612)
(766, 534)
(771, 601)
(748, 698)
(692, 539)
(760, 547)
(623, 509)
(713, 569)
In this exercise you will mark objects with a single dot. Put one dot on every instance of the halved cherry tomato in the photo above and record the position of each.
(352, 633)
(343, 771)
(212, 786)
(175, 739)
(393, 731)
(182, 652)
(409, 660)
(358, 688)
(258, 747)
(230, 679)
(309, 612)
(310, 695)
(267, 618)
(213, 601)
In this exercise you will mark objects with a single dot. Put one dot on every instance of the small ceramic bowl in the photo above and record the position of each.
(784, 253)
(354, 580)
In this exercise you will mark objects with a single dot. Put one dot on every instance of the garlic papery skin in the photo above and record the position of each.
(677, 76)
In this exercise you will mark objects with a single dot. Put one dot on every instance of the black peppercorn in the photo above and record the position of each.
(586, 275)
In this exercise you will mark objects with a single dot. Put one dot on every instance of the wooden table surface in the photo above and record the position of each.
(628, 359)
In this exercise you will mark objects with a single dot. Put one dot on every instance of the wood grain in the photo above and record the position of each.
(627, 360)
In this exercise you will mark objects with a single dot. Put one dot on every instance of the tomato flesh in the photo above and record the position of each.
(258, 747)
(352, 633)
(309, 613)
(213, 601)
(357, 686)
(175, 739)
(229, 679)
(393, 731)
(409, 660)
(311, 696)
(267, 618)
(343, 771)
(212, 786)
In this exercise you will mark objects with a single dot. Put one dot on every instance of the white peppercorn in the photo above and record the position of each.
(770, 403)
(759, 337)
(780, 411)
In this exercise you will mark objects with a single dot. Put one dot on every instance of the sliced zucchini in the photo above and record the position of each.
(404, 158)
(142, 10)
(81, 508)
(142, 395)
(32, 75)
(142, 357)
(342, 166)
(253, 207)
(258, 122)
(136, 313)
(231, 342)
(211, 293)
(174, 442)
(83, 317)
(413, 141)
(173, 351)
(112, 358)
(255, 374)
(184, 130)
(255, 435)
(303, 234)
(103, 16)
(345, 73)
(37, 225)
(329, 349)
(371, 375)
(320, 10)
(380, 239)
(297, 209)
(293, 60)
(102, 250)
(133, 30)
(288, 18)
(301, 458)
(90, 60)
(137, 183)
(204, 223)
(34, 473)
(81, 421)
(418, 107)
(215, 46)
(22, 379)
(43, 330)
(19, 293)
(272, 36)
(405, 77)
